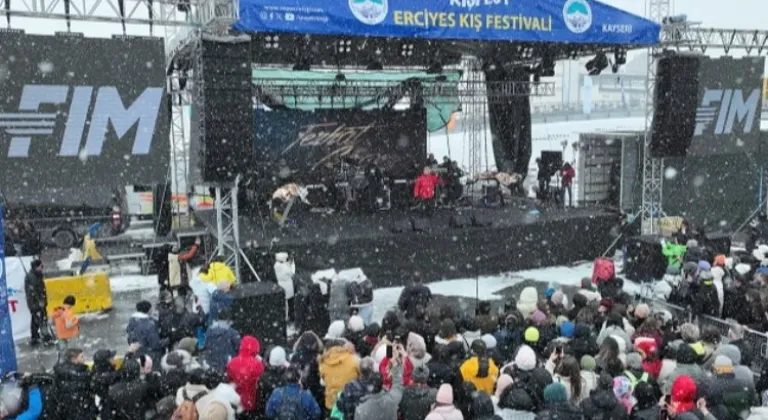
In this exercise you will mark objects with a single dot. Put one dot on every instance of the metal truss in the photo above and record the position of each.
(693, 38)
(227, 226)
(181, 98)
(653, 169)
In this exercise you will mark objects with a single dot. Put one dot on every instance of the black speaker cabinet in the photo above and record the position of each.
(645, 261)
(719, 243)
(162, 209)
(676, 101)
(259, 310)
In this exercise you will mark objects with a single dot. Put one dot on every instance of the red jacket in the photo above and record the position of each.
(568, 175)
(387, 378)
(424, 188)
(244, 371)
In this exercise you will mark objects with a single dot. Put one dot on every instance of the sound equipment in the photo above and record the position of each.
(259, 310)
(676, 102)
(401, 226)
(226, 110)
(480, 220)
(719, 242)
(421, 224)
(645, 261)
(162, 214)
(552, 161)
(460, 221)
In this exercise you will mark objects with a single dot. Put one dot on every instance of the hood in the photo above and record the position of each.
(186, 358)
(249, 346)
(604, 399)
(335, 356)
(482, 405)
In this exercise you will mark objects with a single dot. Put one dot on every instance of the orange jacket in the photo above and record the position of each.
(67, 323)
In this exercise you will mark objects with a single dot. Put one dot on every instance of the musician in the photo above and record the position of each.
(424, 190)
(283, 199)
(431, 161)
(453, 188)
(567, 174)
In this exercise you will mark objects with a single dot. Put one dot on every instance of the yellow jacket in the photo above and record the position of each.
(469, 371)
(218, 271)
(338, 366)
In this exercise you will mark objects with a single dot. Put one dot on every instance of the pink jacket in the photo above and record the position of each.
(445, 413)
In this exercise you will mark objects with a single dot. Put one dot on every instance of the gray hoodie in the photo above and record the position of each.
(382, 405)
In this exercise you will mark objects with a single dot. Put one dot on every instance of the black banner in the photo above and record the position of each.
(78, 112)
(510, 121)
(316, 143)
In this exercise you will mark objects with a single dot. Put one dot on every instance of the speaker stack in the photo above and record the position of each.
(676, 101)
(259, 310)
(645, 261)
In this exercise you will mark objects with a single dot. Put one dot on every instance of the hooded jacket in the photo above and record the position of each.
(244, 371)
(34, 289)
(471, 372)
(686, 365)
(284, 271)
(416, 402)
(143, 329)
(221, 344)
(218, 271)
(178, 268)
(602, 403)
(382, 405)
(74, 396)
(338, 366)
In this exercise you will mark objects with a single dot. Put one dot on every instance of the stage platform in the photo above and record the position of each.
(516, 240)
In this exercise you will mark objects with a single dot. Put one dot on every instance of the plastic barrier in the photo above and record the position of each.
(92, 291)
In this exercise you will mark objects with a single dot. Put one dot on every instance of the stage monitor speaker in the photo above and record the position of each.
(552, 160)
(480, 220)
(263, 263)
(676, 102)
(402, 226)
(162, 213)
(421, 224)
(460, 221)
(720, 243)
(645, 261)
(258, 309)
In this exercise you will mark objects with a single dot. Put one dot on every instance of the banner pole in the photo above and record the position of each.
(7, 347)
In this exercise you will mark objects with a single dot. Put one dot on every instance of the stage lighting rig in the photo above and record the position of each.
(406, 50)
(596, 65)
(547, 66)
(345, 46)
(272, 42)
(675, 20)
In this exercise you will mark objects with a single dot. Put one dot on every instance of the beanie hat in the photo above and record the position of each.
(531, 335)
(722, 361)
(704, 265)
(549, 292)
(502, 384)
(555, 393)
(689, 332)
(642, 311)
(525, 359)
(214, 410)
(568, 329)
(277, 357)
(730, 351)
(445, 395)
(588, 363)
(557, 298)
(420, 374)
(187, 344)
(559, 321)
(144, 306)
(538, 318)
(634, 361)
(335, 330)
(489, 340)
(586, 283)
(356, 323)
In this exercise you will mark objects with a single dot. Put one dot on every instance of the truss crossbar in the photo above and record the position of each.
(694, 38)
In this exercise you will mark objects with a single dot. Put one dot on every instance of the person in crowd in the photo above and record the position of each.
(608, 359)
(74, 394)
(686, 366)
(525, 395)
(743, 373)
(221, 299)
(36, 398)
(424, 191)
(104, 375)
(649, 353)
(285, 270)
(178, 268)
(174, 372)
(443, 409)
(244, 371)
(690, 334)
(613, 326)
(735, 300)
(589, 290)
(565, 370)
(418, 397)
(143, 332)
(184, 323)
(622, 389)
(557, 405)
(355, 330)
(132, 397)
(338, 366)
(380, 403)
(583, 342)
(480, 369)
(737, 396)
(338, 300)
(487, 323)
(482, 407)
(37, 303)
(272, 379)
(647, 405)
(218, 270)
(710, 339)
(306, 355)
(705, 298)
(67, 323)
(312, 314)
(351, 395)
(360, 295)
(674, 251)
(736, 338)
(602, 402)
(509, 337)
(440, 369)
(650, 328)
(414, 295)
(222, 342)
(165, 312)
(291, 402)
(683, 402)
(209, 398)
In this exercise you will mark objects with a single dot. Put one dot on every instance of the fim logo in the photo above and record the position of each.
(725, 107)
(107, 109)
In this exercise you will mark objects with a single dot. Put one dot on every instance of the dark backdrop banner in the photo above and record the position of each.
(510, 121)
(728, 107)
(313, 143)
(77, 113)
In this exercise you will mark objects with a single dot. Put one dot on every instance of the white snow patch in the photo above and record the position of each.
(128, 283)
(142, 234)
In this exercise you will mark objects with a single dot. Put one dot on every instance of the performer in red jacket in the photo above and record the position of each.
(568, 173)
(424, 190)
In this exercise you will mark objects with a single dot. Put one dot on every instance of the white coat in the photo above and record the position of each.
(284, 271)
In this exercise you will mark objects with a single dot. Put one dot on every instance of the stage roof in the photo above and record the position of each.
(524, 21)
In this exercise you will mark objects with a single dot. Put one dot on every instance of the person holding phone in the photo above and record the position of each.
(383, 404)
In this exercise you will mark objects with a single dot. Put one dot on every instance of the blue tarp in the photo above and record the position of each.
(554, 21)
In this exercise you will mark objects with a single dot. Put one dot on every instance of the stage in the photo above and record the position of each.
(517, 240)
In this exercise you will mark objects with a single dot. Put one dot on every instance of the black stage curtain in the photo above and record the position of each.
(510, 121)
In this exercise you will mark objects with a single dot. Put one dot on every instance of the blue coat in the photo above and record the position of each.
(221, 344)
(34, 405)
(143, 330)
(310, 408)
(219, 301)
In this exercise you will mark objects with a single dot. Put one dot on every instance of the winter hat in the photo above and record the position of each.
(415, 344)
(335, 330)
(531, 335)
(538, 318)
(642, 311)
(645, 395)
(502, 384)
(214, 410)
(568, 329)
(557, 298)
(277, 357)
(722, 365)
(588, 363)
(692, 243)
(634, 361)
(706, 275)
(689, 332)
(525, 359)
(731, 352)
(166, 296)
(742, 268)
(704, 265)
(586, 283)
(646, 346)
(174, 359)
(420, 374)
(622, 389)
(549, 292)
(489, 340)
(144, 307)
(683, 394)
(445, 395)
(356, 324)
(720, 260)
(555, 393)
(187, 344)
(447, 329)
(559, 321)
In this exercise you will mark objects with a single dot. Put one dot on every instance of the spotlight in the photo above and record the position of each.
(272, 42)
(407, 50)
(620, 56)
(596, 65)
(344, 47)
(548, 66)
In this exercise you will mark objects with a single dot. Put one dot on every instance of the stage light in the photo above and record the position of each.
(272, 42)
(620, 56)
(344, 47)
(406, 50)
(596, 65)
(671, 20)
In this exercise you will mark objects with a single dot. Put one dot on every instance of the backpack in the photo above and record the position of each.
(603, 270)
(187, 409)
(290, 407)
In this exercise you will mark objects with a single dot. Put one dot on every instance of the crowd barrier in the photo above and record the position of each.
(758, 341)
(92, 292)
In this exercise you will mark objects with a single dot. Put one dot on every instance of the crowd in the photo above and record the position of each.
(594, 355)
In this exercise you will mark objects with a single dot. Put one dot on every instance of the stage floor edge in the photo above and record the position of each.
(517, 240)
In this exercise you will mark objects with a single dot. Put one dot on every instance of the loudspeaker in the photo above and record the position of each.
(480, 220)
(162, 213)
(269, 324)
(676, 101)
(460, 221)
(645, 261)
(720, 243)
(552, 161)
(421, 224)
(400, 226)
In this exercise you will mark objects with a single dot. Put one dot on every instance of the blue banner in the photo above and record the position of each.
(554, 21)
(7, 348)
